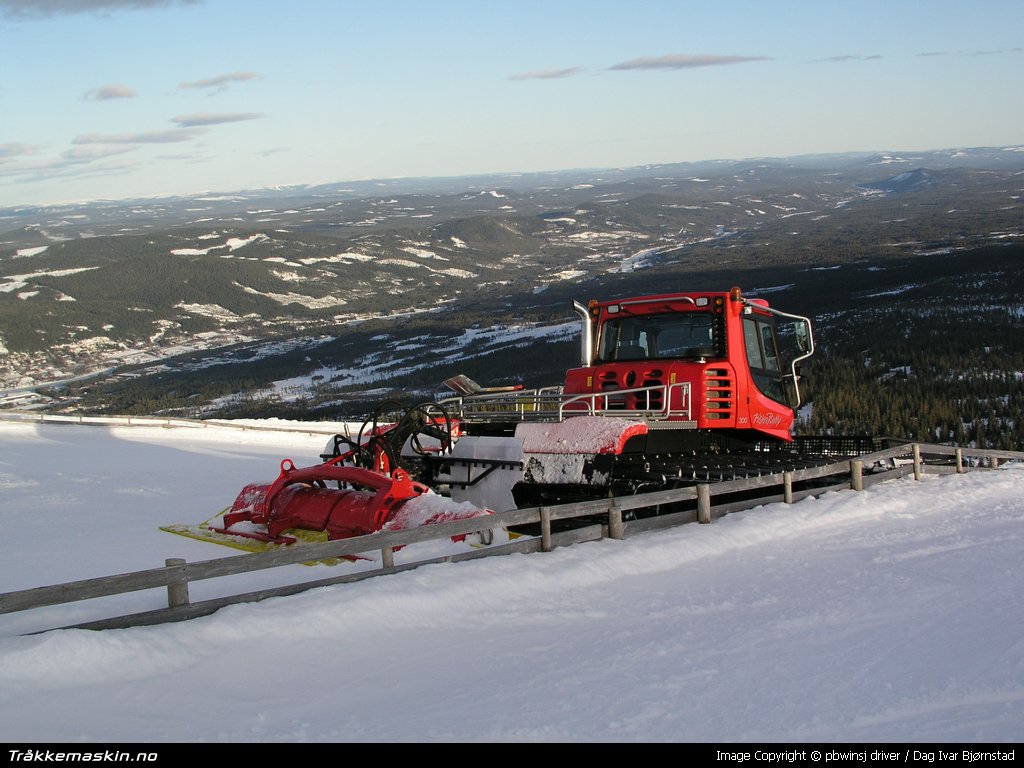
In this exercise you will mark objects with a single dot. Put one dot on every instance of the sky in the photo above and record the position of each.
(890, 615)
(108, 99)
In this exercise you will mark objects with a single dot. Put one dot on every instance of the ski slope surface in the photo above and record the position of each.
(894, 614)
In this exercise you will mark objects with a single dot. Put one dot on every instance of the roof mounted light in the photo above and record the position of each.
(734, 294)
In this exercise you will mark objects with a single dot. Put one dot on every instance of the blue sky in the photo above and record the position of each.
(124, 98)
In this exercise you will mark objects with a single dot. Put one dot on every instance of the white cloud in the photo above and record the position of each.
(215, 118)
(684, 61)
(220, 81)
(28, 9)
(108, 92)
(145, 137)
(547, 74)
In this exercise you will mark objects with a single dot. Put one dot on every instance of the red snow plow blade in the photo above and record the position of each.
(300, 499)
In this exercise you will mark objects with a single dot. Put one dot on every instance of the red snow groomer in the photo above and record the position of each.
(671, 390)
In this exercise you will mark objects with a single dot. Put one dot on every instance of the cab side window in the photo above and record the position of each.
(763, 356)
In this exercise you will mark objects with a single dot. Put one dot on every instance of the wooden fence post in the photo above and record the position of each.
(959, 461)
(917, 461)
(177, 590)
(703, 503)
(787, 486)
(545, 530)
(614, 521)
(857, 474)
(387, 557)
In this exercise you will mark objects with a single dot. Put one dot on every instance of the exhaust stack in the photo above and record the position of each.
(586, 335)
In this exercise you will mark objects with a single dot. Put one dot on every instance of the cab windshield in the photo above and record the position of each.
(650, 337)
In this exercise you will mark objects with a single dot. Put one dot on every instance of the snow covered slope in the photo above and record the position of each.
(895, 614)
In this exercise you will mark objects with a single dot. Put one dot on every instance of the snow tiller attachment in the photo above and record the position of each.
(300, 499)
(359, 489)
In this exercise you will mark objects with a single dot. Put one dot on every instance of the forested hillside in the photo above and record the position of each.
(931, 348)
(928, 347)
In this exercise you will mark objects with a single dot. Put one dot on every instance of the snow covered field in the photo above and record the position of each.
(895, 614)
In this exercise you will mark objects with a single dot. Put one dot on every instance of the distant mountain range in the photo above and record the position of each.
(283, 203)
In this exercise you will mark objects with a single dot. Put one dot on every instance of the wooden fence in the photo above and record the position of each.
(700, 503)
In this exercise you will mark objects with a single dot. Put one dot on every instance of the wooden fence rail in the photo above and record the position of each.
(696, 502)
